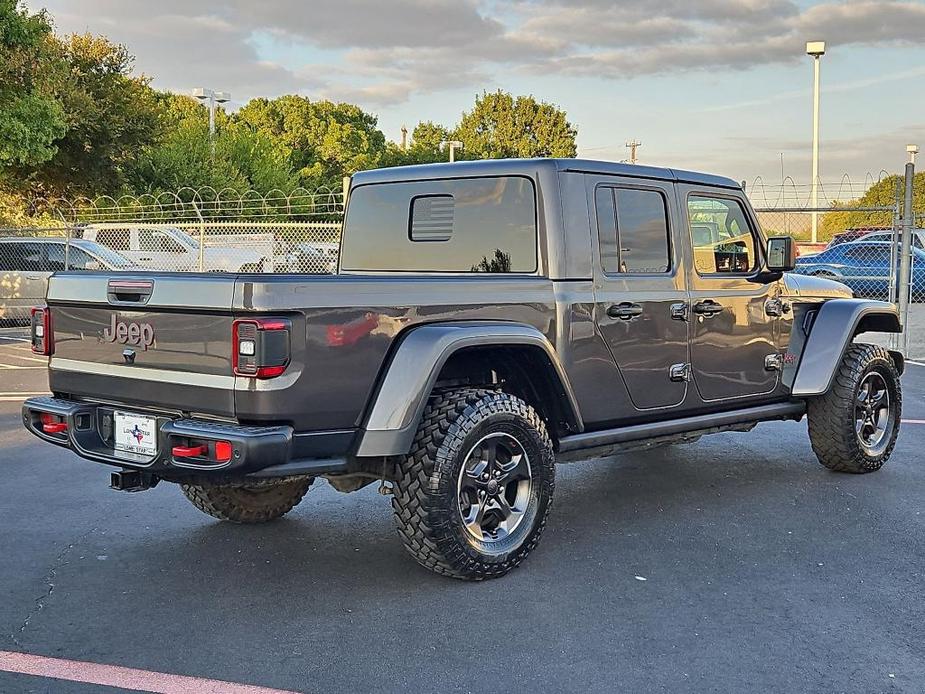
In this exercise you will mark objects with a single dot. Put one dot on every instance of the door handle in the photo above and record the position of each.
(707, 308)
(624, 310)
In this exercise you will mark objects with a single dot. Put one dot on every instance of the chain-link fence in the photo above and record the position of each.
(861, 248)
(190, 231)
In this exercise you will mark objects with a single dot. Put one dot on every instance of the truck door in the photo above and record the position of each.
(733, 313)
(639, 284)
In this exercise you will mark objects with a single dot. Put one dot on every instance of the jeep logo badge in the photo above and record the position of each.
(126, 333)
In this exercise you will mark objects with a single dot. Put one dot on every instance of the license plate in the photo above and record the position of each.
(135, 433)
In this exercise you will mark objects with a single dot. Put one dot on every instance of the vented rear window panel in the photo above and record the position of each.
(483, 224)
(432, 218)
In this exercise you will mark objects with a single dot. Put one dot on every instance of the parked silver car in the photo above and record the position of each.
(26, 263)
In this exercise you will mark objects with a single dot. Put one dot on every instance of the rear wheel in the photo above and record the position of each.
(475, 491)
(258, 502)
(853, 427)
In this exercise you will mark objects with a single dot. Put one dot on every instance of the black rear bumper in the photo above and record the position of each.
(257, 451)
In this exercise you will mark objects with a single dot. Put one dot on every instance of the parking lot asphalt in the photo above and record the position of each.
(734, 564)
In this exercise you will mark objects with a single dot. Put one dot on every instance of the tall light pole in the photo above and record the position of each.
(452, 145)
(816, 49)
(211, 98)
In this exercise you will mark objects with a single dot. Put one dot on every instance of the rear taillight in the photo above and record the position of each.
(260, 347)
(43, 340)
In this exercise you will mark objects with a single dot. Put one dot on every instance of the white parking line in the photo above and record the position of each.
(914, 363)
(25, 357)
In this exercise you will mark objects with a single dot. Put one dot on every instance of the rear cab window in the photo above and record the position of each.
(485, 224)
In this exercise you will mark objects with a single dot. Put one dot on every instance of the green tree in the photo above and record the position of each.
(31, 116)
(500, 125)
(326, 140)
(884, 193)
(110, 116)
(243, 159)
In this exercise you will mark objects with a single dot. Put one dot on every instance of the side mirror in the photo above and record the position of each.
(782, 254)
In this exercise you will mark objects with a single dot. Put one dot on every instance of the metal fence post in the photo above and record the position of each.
(905, 258)
(202, 234)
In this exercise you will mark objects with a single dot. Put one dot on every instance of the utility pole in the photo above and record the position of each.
(816, 49)
(404, 138)
(633, 145)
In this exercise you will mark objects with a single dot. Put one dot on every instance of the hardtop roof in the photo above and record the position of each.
(496, 167)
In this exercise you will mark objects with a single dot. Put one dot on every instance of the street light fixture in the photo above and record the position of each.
(912, 151)
(815, 49)
(452, 145)
(212, 98)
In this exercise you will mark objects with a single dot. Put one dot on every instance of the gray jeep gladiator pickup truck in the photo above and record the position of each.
(487, 319)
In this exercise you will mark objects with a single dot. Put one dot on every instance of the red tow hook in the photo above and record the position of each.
(51, 424)
(189, 451)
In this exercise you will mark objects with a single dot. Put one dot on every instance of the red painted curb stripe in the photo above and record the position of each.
(124, 677)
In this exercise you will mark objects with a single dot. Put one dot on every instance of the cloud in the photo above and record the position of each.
(616, 41)
(372, 23)
(383, 53)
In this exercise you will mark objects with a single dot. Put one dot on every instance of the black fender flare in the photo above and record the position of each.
(398, 403)
(836, 324)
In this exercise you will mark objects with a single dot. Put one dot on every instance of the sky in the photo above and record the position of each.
(714, 85)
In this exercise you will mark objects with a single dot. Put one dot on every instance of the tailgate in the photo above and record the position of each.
(161, 341)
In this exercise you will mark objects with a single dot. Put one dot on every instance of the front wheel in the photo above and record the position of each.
(474, 493)
(853, 427)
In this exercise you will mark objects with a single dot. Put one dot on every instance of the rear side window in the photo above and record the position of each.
(76, 258)
(116, 239)
(22, 257)
(633, 231)
(451, 225)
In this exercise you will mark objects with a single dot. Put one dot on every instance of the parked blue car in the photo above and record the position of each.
(864, 266)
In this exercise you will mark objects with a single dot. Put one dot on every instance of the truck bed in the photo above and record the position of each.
(342, 328)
